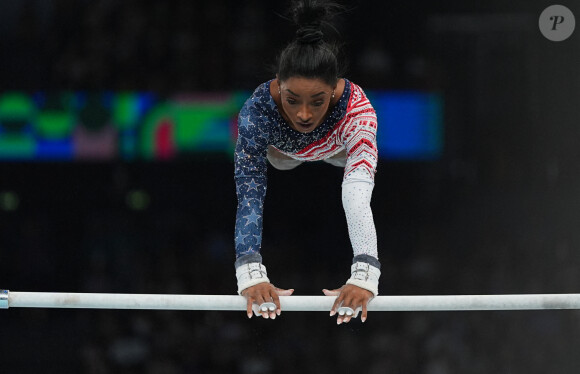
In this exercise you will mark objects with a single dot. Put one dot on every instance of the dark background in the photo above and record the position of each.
(497, 213)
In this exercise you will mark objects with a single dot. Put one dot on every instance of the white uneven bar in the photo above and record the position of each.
(288, 303)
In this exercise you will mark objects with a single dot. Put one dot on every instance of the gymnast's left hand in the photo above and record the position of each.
(349, 296)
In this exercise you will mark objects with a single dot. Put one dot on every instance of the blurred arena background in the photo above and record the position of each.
(117, 126)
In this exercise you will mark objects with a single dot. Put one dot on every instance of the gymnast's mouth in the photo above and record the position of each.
(304, 124)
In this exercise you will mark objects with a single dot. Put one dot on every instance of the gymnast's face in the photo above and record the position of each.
(305, 102)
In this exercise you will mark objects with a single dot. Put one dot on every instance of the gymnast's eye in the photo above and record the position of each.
(318, 103)
(291, 101)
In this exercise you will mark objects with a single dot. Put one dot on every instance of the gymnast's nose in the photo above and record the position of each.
(304, 115)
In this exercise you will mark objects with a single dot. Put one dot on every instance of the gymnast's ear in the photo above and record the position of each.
(278, 82)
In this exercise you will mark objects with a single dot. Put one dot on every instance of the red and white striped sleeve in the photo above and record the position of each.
(359, 135)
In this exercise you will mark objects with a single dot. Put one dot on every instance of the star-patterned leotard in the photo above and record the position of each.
(351, 125)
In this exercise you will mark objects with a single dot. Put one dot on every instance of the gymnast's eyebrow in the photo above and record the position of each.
(318, 94)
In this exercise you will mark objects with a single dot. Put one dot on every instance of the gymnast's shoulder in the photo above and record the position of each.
(260, 101)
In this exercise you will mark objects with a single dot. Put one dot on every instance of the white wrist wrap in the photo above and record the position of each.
(365, 276)
(251, 274)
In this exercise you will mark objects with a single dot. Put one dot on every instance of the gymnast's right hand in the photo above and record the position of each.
(265, 293)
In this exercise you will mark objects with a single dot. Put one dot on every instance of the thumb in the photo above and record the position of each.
(331, 292)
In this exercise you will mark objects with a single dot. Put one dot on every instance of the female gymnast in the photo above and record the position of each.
(307, 113)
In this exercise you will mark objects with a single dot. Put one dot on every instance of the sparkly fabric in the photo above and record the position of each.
(351, 125)
(356, 200)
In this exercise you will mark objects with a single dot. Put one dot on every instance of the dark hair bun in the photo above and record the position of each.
(309, 16)
(309, 35)
(309, 55)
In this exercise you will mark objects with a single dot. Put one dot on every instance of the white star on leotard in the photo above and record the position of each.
(251, 143)
(252, 185)
(261, 133)
(252, 218)
(241, 238)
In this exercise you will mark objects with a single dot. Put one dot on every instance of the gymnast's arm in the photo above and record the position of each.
(357, 187)
(251, 183)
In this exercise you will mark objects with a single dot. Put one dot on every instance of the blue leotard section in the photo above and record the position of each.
(259, 125)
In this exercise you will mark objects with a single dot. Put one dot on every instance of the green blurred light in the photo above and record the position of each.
(54, 124)
(17, 146)
(195, 120)
(125, 110)
(138, 200)
(15, 105)
(9, 201)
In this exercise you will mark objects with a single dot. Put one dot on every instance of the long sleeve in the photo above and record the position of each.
(251, 181)
(360, 142)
